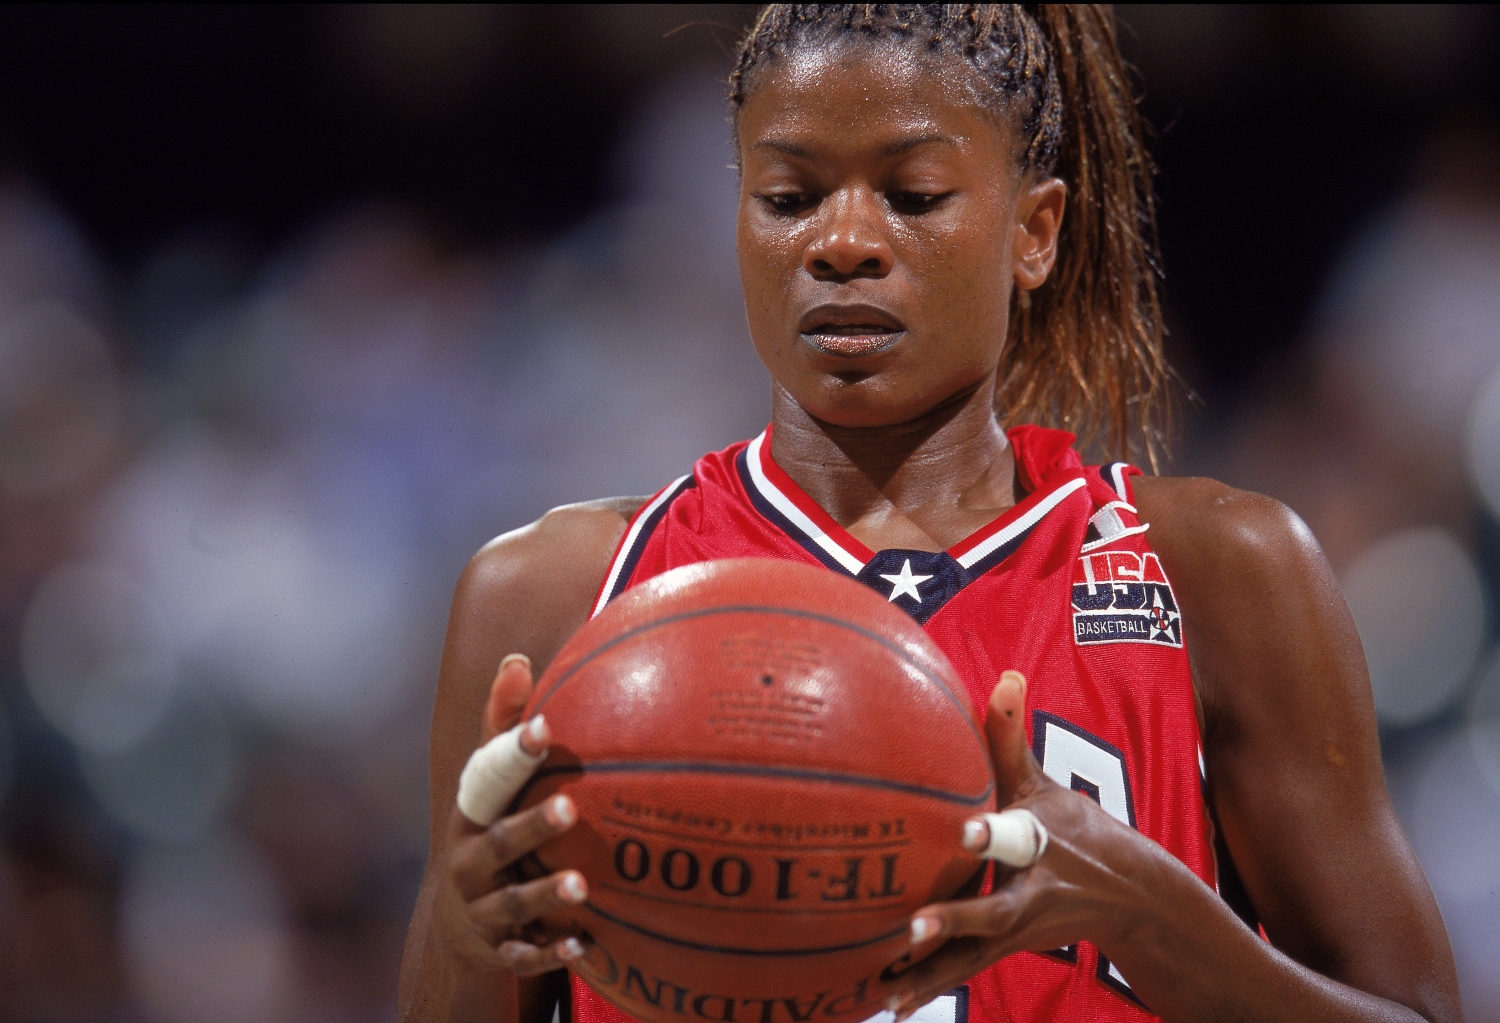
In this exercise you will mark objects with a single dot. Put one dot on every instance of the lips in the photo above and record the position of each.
(850, 331)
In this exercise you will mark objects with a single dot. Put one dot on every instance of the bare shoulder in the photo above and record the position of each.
(530, 588)
(1200, 522)
(524, 592)
(1267, 629)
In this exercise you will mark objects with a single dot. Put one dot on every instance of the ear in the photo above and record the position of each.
(1039, 218)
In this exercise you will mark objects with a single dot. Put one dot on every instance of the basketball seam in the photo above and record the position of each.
(797, 773)
(763, 609)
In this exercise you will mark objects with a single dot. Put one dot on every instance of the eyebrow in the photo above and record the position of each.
(895, 148)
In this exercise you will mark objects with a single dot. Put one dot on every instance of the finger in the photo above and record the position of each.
(500, 914)
(1014, 837)
(939, 973)
(1005, 728)
(993, 916)
(497, 770)
(509, 694)
(476, 861)
(528, 960)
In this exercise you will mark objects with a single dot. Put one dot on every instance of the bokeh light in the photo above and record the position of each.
(1419, 607)
(206, 938)
(1484, 724)
(173, 784)
(1483, 443)
(97, 656)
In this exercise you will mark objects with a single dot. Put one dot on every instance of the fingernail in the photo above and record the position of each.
(976, 835)
(570, 949)
(509, 659)
(560, 812)
(536, 729)
(922, 928)
(893, 1003)
(572, 889)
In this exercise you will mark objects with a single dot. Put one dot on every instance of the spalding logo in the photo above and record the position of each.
(1123, 597)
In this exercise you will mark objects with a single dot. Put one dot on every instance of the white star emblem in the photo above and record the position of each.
(905, 582)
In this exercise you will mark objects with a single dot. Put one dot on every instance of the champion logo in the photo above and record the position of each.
(1123, 597)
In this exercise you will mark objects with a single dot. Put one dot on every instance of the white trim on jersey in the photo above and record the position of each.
(631, 537)
(1117, 470)
(1020, 525)
(796, 515)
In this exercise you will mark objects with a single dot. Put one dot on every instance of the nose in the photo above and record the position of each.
(849, 241)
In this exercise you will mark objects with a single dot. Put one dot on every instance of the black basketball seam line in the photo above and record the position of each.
(618, 822)
(708, 767)
(763, 609)
(740, 909)
(775, 953)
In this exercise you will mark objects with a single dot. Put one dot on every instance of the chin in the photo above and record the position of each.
(863, 404)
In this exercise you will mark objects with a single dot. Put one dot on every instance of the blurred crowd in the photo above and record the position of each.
(237, 486)
(226, 572)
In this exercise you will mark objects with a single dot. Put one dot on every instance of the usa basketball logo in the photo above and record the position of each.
(1123, 597)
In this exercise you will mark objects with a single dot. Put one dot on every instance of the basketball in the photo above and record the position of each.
(772, 767)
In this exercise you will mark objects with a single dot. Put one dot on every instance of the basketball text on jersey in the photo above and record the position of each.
(1123, 597)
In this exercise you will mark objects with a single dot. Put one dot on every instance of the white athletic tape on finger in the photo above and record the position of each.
(1017, 838)
(493, 776)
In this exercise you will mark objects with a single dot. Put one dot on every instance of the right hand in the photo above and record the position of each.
(486, 914)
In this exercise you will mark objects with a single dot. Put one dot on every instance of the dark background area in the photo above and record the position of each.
(1279, 128)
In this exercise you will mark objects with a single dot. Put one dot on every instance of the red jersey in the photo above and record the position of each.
(1064, 588)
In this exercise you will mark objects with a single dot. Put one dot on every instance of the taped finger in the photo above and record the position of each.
(496, 772)
(1017, 838)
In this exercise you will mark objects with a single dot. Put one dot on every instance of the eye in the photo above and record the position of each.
(914, 203)
(788, 203)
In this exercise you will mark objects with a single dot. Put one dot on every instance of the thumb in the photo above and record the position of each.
(509, 694)
(1005, 728)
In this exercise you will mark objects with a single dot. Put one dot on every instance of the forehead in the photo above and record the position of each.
(847, 93)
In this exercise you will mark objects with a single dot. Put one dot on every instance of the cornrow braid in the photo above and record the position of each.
(1085, 350)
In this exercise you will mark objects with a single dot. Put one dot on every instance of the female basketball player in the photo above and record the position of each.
(945, 225)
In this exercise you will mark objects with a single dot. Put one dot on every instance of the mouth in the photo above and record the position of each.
(850, 331)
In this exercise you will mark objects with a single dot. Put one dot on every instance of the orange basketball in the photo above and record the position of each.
(772, 767)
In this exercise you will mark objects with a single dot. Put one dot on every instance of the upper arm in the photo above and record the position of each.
(1290, 744)
(524, 592)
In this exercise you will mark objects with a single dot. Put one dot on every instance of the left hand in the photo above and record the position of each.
(1088, 883)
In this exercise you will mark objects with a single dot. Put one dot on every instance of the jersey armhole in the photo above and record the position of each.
(1120, 477)
(637, 534)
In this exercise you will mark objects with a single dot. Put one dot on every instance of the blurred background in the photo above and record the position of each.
(300, 306)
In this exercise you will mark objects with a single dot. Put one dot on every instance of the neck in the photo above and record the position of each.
(922, 484)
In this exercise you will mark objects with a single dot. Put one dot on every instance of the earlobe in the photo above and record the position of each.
(1038, 225)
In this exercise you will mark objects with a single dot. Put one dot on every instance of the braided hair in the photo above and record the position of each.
(1084, 350)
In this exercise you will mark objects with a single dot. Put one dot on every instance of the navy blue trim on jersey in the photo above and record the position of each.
(642, 537)
(1039, 721)
(1113, 476)
(780, 521)
(1002, 552)
(1101, 972)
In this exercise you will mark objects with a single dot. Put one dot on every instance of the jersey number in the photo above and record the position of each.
(1085, 763)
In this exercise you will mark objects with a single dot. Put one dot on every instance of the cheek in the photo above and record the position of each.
(964, 282)
(768, 267)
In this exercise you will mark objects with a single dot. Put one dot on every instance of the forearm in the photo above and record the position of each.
(1191, 960)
